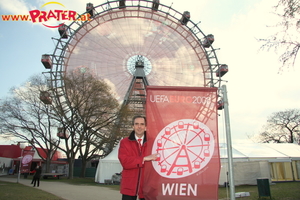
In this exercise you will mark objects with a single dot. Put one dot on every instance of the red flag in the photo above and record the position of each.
(182, 129)
(26, 161)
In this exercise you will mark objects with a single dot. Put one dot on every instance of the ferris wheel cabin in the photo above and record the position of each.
(222, 70)
(185, 17)
(46, 60)
(122, 4)
(62, 29)
(208, 40)
(155, 5)
(62, 133)
(220, 104)
(90, 9)
(45, 97)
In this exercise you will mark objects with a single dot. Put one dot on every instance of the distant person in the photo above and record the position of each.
(37, 176)
(33, 172)
(132, 158)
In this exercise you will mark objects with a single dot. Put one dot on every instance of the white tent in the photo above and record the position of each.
(108, 166)
(245, 171)
(277, 162)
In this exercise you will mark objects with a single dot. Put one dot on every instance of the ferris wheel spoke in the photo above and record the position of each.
(172, 141)
(197, 134)
(170, 154)
(197, 156)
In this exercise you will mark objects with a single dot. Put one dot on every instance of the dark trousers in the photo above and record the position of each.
(127, 197)
(36, 180)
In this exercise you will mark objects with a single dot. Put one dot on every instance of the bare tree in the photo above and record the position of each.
(87, 112)
(286, 39)
(80, 118)
(282, 127)
(24, 116)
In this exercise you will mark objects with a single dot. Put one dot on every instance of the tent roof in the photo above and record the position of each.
(291, 150)
(262, 151)
(254, 150)
(14, 152)
(235, 152)
(113, 155)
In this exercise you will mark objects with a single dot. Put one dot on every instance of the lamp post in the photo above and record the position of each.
(229, 145)
(22, 147)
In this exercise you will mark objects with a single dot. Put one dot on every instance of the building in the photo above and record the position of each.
(10, 156)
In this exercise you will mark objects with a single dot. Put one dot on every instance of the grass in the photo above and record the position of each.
(18, 191)
(279, 191)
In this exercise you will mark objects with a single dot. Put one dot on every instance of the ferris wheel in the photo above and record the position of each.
(171, 49)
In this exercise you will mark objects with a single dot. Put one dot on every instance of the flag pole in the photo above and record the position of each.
(229, 144)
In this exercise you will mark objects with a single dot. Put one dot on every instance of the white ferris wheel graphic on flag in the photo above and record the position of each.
(184, 147)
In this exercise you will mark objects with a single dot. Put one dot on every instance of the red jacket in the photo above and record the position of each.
(131, 159)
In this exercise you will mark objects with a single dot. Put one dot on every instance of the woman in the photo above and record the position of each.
(37, 176)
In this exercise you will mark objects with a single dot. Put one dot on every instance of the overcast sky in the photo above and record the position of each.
(255, 88)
